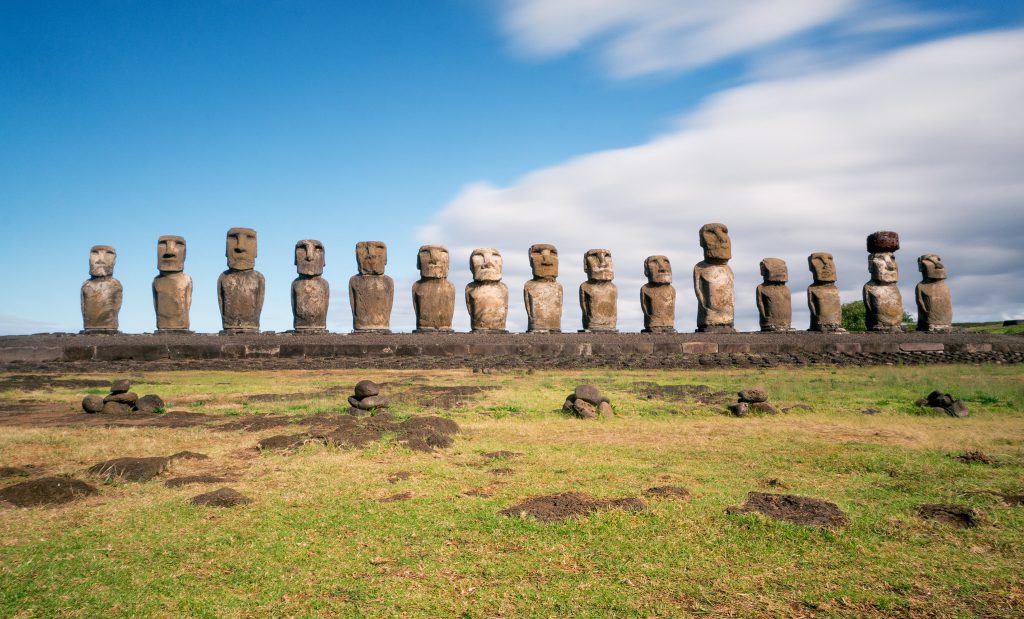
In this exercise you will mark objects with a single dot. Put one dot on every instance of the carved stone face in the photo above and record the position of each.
(170, 254)
(598, 265)
(241, 249)
(309, 257)
(883, 268)
(433, 261)
(714, 238)
(544, 261)
(823, 267)
(372, 257)
(931, 267)
(774, 271)
(485, 264)
(101, 260)
(658, 270)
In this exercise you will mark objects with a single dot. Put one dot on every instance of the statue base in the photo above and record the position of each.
(308, 331)
(173, 332)
(434, 330)
(775, 329)
(659, 330)
(240, 331)
(716, 329)
(380, 331)
(486, 331)
(543, 331)
(883, 329)
(827, 329)
(943, 329)
(599, 330)
(99, 332)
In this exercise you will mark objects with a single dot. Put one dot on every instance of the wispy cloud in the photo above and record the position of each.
(927, 141)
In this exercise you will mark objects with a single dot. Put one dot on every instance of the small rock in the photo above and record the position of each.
(367, 388)
(871, 411)
(569, 401)
(372, 402)
(753, 394)
(605, 410)
(958, 409)
(970, 457)
(589, 393)
(149, 404)
(353, 401)
(92, 404)
(584, 409)
(129, 398)
(739, 409)
(763, 408)
(937, 399)
(116, 408)
(120, 386)
(223, 497)
(921, 402)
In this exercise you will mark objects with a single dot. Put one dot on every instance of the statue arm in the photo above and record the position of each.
(188, 294)
(759, 295)
(389, 286)
(645, 302)
(697, 288)
(416, 301)
(260, 294)
(527, 301)
(922, 303)
(352, 296)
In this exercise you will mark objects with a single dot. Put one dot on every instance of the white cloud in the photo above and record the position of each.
(639, 37)
(927, 141)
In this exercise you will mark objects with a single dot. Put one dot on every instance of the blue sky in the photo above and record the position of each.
(413, 122)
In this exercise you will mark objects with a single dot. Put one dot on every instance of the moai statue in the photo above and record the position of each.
(433, 296)
(934, 303)
(882, 298)
(598, 295)
(486, 295)
(542, 294)
(823, 295)
(101, 293)
(311, 293)
(240, 289)
(774, 300)
(658, 296)
(172, 288)
(713, 281)
(371, 293)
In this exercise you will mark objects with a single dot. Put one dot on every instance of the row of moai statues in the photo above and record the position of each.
(240, 290)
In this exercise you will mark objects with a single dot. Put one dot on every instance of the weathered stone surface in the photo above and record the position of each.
(542, 294)
(371, 293)
(658, 296)
(584, 409)
(223, 497)
(934, 303)
(92, 404)
(753, 394)
(367, 388)
(486, 295)
(739, 409)
(589, 393)
(433, 296)
(763, 408)
(604, 409)
(823, 295)
(101, 294)
(598, 295)
(128, 398)
(774, 300)
(369, 403)
(945, 403)
(713, 281)
(116, 408)
(240, 289)
(883, 241)
(172, 288)
(149, 404)
(120, 385)
(882, 299)
(311, 293)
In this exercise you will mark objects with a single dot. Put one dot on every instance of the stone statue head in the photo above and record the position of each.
(598, 265)
(774, 271)
(241, 249)
(714, 239)
(372, 257)
(485, 263)
(823, 267)
(170, 254)
(544, 261)
(433, 261)
(883, 268)
(309, 257)
(101, 260)
(658, 270)
(931, 267)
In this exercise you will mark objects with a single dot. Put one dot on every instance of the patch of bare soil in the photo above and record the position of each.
(956, 515)
(975, 456)
(1013, 500)
(37, 382)
(442, 397)
(283, 442)
(501, 455)
(288, 397)
(792, 508)
(502, 471)
(669, 492)
(222, 497)
(416, 433)
(177, 482)
(401, 496)
(13, 471)
(41, 414)
(46, 491)
(255, 423)
(398, 476)
(140, 469)
(565, 505)
(701, 394)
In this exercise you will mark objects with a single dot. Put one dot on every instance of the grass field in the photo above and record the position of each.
(318, 541)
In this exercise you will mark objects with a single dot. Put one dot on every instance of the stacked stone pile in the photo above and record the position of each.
(122, 400)
(587, 402)
(367, 397)
(752, 400)
(944, 403)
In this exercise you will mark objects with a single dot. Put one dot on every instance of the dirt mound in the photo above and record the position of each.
(287, 397)
(502, 471)
(32, 382)
(398, 476)
(255, 423)
(401, 496)
(956, 515)
(445, 398)
(501, 455)
(701, 394)
(416, 433)
(131, 469)
(975, 456)
(46, 491)
(672, 492)
(222, 497)
(792, 508)
(13, 471)
(555, 507)
(177, 482)
(478, 492)
(283, 442)
(188, 455)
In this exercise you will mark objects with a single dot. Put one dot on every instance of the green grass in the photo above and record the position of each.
(316, 541)
(992, 327)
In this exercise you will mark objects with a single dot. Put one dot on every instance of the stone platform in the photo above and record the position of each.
(60, 352)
